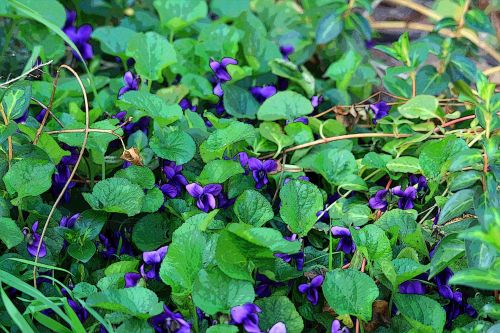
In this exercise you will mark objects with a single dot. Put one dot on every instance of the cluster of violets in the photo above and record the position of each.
(407, 197)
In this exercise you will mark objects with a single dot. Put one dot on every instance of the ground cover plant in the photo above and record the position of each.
(249, 166)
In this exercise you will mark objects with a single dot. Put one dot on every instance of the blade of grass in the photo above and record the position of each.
(22, 286)
(32, 263)
(97, 316)
(14, 313)
(50, 323)
(76, 324)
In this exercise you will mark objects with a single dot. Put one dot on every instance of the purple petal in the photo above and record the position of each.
(155, 257)
(169, 190)
(84, 32)
(87, 51)
(211, 201)
(317, 281)
(218, 90)
(254, 164)
(278, 328)
(303, 288)
(397, 191)
(270, 165)
(213, 189)
(131, 279)
(340, 232)
(214, 65)
(194, 190)
(228, 61)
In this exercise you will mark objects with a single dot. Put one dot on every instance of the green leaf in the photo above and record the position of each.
(329, 28)
(223, 138)
(47, 143)
(116, 195)
(183, 261)
(153, 200)
(284, 105)
(214, 291)
(374, 240)
(300, 201)
(82, 252)
(121, 267)
(423, 313)
(50, 10)
(253, 208)
(152, 53)
(218, 171)
(291, 71)
(177, 146)
(422, 106)
(114, 40)
(14, 313)
(273, 133)
(375, 161)
(447, 250)
(229, 8)
(406, 269)
(150, 232)
(140, 175)
(222, 328)
(16, 99)
(150, 105)
(136, 301)
(480, 278)
(404, 164)
(350, 292)
(178, 14)
(343, 70)
(28, 177)
(239, 103)
(457, 204)
(335, 165)
(11, 235)
(277, 309)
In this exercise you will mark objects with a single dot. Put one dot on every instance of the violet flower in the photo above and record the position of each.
(316, 100)
(406, 197)
(205, 195)
(59, 179)
(420, 181)
(40, 115)
(142, 124)
(246, 315)
(131, 83)
(380, 110)
(221, 73)
(33, 240)
(80, 311)
(170, 322)
(286, 50)
(132, 279)
(279, 327)
(223, 201)
(346, 243)
(378, 201)
(175, 179)
(412, 287)
(436, 217)
(152, 260)
(264, 285)
(79, 36)
(311, 289)
(298, 257)
(69, 221)
(185, 104)
(336, 327)
(263, 93)
(109, 246)
(23, 118)
(260, 169)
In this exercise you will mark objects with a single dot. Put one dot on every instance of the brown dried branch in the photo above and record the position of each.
(9, 138)
(51, 113)
(17, 78)
(84, 143)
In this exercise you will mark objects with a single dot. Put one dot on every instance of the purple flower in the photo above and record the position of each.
(223, 201)
(221, 73)
(80, 311)
(185, 104)
(436, 217)
(115, 245)
(420, 181)
(369, 44)
(260, 169)
(406, 197)
(142, 124)
(79, 36)
(336, 327)
(304, 178)
(286, 50)
(279, 327)
(175, 179)
(378, 201)
(303, 120)
(132, 279)
(33, 240)
(311, 289)
(131, 83)
(59, 179)
(152, 260)
(69, 222)
(316, 101)
(170, 322)
(412, 287)
(22, 119)
(246, 315)
(40, 115)
(298, 257)
(380, 109)
(205, 195)
(263, 93)
(265, 285)
(346, 243)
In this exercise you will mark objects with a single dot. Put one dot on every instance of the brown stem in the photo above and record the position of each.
(49, 108)
(455, 121)
(65, 187)
(90, 130)
(51, 113)
(9, 138)
(7, 83)
(363, 265)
